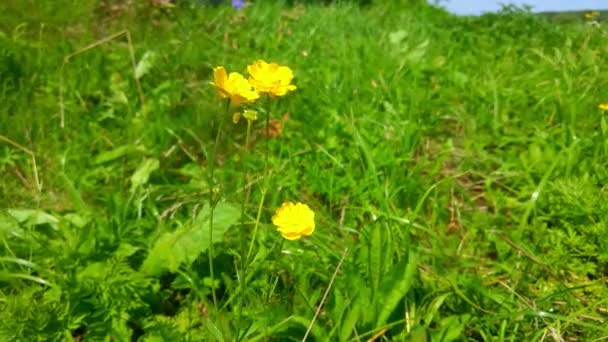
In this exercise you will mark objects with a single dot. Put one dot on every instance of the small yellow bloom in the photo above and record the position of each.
(250, 115)
(236, 117)
(294, 220)
(233, 86)
(603, 106)
(271, 78)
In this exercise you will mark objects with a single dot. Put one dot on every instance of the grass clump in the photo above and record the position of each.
(455, 168)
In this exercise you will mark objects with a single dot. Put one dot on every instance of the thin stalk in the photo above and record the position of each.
(266, 180)
(266, 171)
(245, 187)
(277, 277)
(257, 224)
(242, 240)
(212, 202)
(331, 282)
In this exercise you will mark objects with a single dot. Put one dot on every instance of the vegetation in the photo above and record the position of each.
(456, 168)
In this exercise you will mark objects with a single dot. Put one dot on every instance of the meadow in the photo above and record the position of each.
(456, 168)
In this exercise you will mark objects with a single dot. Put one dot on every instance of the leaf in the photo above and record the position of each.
(359, 313)
(434, 307)
(9, 225)
(349, 322)
(395, 286)
(78, 220)
(75, 195)
(214, 330)
(18, 261)
(187, 242)
(34, 217)
(116, 153)
(337, 310)
(397, 37)
(125, 250)
(417, 54)
(120, 330)
(317, 333)
(419, 333)
(9, 277)
(375, 259)
(142, 174)
(145, 64)
(451, 329)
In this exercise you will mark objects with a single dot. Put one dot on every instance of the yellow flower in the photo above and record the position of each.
(603, 106)
(294, 220)
(270, 78)
(236, 117)
(250, 115)
(233, 86)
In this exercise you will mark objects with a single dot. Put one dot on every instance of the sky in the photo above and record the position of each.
(472, 7)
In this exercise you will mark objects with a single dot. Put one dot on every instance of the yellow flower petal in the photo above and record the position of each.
(291, 236)
(270, 78)
(233, 86)
(220, 76)
(236, 117)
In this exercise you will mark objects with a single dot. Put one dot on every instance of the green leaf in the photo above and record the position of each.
(142, 174)
(120, 330)
(116, 153)
(187, 242)
(18, 261)
(145, 64)
(451, 329)
(317, 333)
(434, 307)
(349, 322)
(214, 330)
(417, 54)
(34, 217)
(397, 37)
(375, 259)
(9, 225)
(77, 219)
(9, 277)
(395, 286)
(419, 333)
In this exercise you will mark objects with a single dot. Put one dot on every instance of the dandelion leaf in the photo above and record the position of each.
(395, 286)
(187, 242)
(33, 217)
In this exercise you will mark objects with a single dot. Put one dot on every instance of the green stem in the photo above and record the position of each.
(266, 181)
(212, 202)
(242, 239)
(257, 224)
(267, 137)
(277, 277)
(245, 186)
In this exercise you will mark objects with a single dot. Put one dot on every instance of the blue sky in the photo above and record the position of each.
(480, 6)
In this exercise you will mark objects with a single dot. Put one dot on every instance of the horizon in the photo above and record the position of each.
(475, 7)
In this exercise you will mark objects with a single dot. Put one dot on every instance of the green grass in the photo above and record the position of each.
(462, 162)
